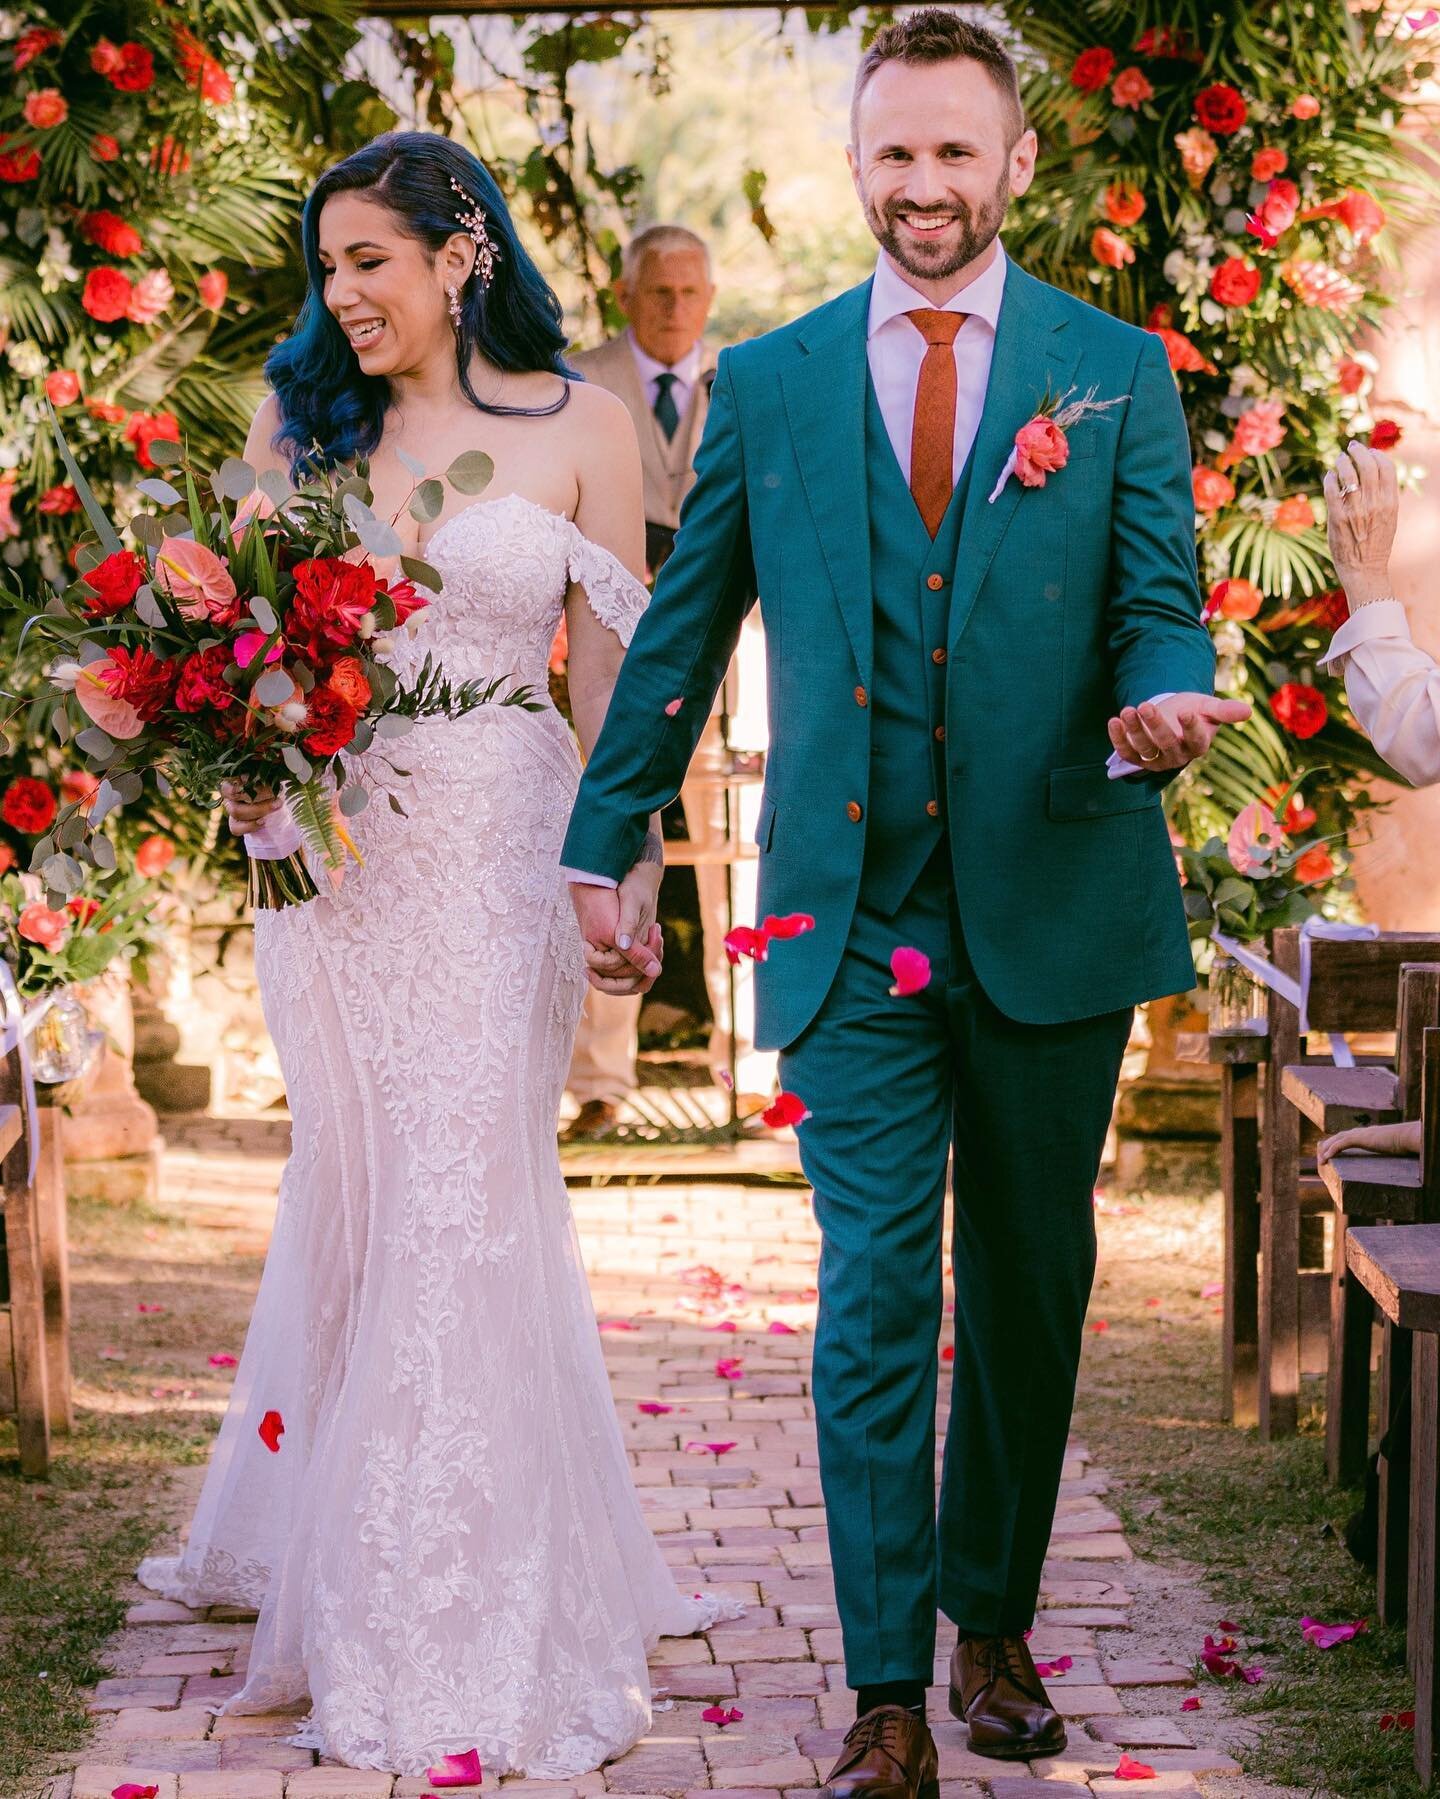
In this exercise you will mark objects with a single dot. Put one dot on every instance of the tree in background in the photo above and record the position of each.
(1233, 176)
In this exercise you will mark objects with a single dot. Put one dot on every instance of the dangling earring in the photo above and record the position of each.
(452, 297)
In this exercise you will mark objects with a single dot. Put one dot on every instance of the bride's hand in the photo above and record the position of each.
(1362, 504)
(638, 929)
(247, 811)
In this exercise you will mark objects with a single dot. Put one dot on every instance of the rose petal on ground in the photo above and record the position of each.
(785, 1109)
(1252, 1676)
(729, 1368)
(673, 708)
(778, 1328)
(457, 1770)
(223, 1360)
(142, 1307)
(1100, 1325)
(111, 1354)
(272, 1428)
(1212, 1289)
(1397, 1721)
(725, 1324)
(1327, 1636)
(132, 1790)
(1229, 1627)
(652, 1408)
(709, 1448)
(1052, 1670)
(1192, 1704)
(618, 1324)
(722, 1715)
(1129, 1769)
(911, 969)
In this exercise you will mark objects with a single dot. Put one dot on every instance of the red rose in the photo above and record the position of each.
(34, 42)
(110, 233)
(1329, 610)
(1349, 375)
(106, 58)
(28, 806)
(329, 722)
(1385, 435)
(18, 165)
(348, 679)
(331, 598)
(106, 411)
(79, 784)
(142, 679)
(107, 295)
(1132, 88)
(81, 909)
(1235, 282)
(201, 680)
(1269, 163)
(1221, 109)
(1109, 249)
(1124, 204)
(170, 157)
(1212, 489)
(1092, 69)
(200, 69)
(103, 147)
(145, 428)
(133, 73)
(1279, 207)
(8, 858)
(1166, 40)
(114, 583)
(62, 387)
(1184, 358)
(1315, 865)
(1299, 709)
(45, 108)
(58, 501)
(213, 288)
(154, 856)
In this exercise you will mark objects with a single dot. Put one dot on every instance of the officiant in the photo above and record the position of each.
(662, 367)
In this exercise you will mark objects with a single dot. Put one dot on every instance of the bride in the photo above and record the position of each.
(444, 1545)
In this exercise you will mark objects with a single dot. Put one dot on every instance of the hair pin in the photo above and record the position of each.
(472, 220)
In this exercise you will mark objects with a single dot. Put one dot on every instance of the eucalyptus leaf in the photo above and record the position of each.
(354, 800)
(273, 688)
(147, 529)
(88, 556)
(411, 464)
(394, 724)
(154, 488)
(94, 742)
(363, 738)
(148, 609)
(423, 572)
(105, 801)
(103, 851)
(233, 480)
(42, 852)
(297, 764)
(471, 472)
(379, 538)
(264, 614)
(163, 786)
(60, 724)
(162, 450)
(426, 501)
(71, 832)
(129, 786)
(63, 873)
(275, 487)
(304, 678)
(395, 806)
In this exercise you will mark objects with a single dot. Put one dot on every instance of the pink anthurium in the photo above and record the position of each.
(911, 969)
(117, 718)
(457, 1770)
(272, 1428)
(247, 648)
(196, 578)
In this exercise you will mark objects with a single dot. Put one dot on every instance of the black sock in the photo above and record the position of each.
(909, 1693)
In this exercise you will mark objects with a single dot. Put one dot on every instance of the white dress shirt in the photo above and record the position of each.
(686, 373)
(1393, 687)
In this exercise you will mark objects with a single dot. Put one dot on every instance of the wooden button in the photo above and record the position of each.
(934, 582)
(861, 697)
(854, 812)
(933, 808)
(937, 656)
(939, 733)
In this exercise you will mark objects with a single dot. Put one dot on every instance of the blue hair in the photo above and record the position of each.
(331, 412)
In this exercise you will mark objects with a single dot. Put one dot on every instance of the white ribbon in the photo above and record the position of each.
(19, 1022)
(1009, 469)
(1297, 993)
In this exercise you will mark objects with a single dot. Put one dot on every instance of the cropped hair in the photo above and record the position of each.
(331, 411)
(934, 34)
(661, 237)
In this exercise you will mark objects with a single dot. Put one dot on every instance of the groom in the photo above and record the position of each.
(950, 659)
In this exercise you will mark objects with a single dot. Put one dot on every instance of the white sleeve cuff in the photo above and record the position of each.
(578, 878)
(1381, 618)
(1117, 767)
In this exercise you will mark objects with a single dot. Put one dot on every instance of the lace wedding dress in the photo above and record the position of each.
(446, 1550)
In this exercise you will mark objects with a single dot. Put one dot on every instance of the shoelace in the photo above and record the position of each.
(1005, 1655)
(875, 1728)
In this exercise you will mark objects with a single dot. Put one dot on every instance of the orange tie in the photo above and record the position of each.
(932, 436)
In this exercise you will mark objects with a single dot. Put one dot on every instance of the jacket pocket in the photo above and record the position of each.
(1088, 792)
(765, 825)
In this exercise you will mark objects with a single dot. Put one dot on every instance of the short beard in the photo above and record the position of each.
(977, 232)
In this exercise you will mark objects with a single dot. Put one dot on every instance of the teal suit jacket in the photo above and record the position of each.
(1068, 602)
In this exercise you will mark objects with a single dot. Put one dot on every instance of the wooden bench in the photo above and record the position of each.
(24, 1384)
(1368, 1189)
(1354, 987)
(1399, 1266)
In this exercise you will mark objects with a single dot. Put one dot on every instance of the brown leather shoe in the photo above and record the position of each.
(994, 1688)
(889, 1753)
(595, 1119)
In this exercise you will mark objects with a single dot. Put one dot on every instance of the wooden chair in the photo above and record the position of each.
(1367, 1189)
(24, 1384)
(1399, 1266)
(1354, 986)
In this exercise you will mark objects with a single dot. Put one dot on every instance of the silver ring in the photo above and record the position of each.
(1345, 492)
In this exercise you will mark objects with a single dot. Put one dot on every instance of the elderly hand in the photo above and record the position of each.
(1362, 503)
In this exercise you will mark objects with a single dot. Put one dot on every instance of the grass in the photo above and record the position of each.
(1256, 1521)
(69, 1545)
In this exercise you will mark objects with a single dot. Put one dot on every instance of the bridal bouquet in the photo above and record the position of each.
(246, 640)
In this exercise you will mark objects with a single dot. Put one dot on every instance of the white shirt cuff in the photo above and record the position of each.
(578, 878)
(1381, 618)
(1117, 767)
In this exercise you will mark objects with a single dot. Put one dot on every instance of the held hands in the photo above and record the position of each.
(1362, 505)
(624, 944)
(247, 811)
(1166, 734)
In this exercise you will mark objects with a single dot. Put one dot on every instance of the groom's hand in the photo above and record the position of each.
(1168, 733)
(609, 918)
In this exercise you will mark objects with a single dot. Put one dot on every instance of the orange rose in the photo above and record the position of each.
(154, 856)
(38, 924)
(1198, 151)
(349, 681)
(1124, 204)
(1212, 489)
(1315, 865)
(1267, 164)
(46, 108)
(1294, 516)
(1110, 250)
(1236, 598)
(1130, 88)
(1304, 106)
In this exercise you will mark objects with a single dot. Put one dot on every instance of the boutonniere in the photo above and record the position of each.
(1042, 447)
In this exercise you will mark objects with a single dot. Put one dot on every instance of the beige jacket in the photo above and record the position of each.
(668, 464)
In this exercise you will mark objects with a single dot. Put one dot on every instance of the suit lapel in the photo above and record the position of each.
(1031, 355)
(825, 404)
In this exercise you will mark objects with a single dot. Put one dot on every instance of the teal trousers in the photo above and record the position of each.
(894, 1085)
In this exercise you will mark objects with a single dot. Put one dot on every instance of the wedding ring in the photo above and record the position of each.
(1345, 492)
(1145, 758)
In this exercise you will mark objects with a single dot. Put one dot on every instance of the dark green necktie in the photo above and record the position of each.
(667, 415)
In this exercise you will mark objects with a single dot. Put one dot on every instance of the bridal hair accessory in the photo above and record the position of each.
(1041, 445)
(473, 221)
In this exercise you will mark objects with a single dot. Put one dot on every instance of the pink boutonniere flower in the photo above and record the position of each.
(1042, 445)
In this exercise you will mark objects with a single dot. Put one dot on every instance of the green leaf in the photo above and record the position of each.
(471, 472)
(162, 450)
(426, 501)
(104, 530)
(424, 572)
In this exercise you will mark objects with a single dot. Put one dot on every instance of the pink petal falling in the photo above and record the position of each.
(785, 1109)
(745, 940)
(1327, 1636)
(722, 1715)
(781, 930)
(618, 1324)
(1100, 1326)
(224, 1360)
(1129, 1769)
(272, 1428)
(673, 708)
(1212, 1289)
(457, 1770)
(911, 969)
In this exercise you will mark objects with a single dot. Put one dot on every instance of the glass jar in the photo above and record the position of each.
(60, 1043)
(1237, 1000)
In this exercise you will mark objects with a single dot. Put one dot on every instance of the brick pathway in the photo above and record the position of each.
(683, 1277)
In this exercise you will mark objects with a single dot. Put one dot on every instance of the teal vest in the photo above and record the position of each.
(907, 696)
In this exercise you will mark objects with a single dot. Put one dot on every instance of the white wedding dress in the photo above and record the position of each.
(446, 1551)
